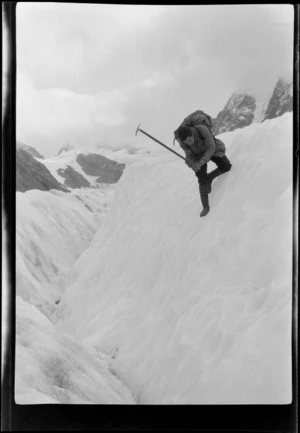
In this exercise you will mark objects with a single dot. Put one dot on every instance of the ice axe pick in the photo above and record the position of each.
(157, 141)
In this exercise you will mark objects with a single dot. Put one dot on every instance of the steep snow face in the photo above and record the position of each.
(52, 229)
(52, 368)
(196, 311)
(260, 109)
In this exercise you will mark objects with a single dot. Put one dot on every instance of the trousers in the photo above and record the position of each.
(223, 165)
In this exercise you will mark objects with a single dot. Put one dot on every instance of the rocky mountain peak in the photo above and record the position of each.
(237, 113)
(281, 100)
(32, 174)
(242, 109)
(65, 148)
(30, 150)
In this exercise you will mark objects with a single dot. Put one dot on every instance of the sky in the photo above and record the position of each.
(88, 74)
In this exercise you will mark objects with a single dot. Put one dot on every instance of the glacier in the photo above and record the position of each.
(158, 305)
(52, 230)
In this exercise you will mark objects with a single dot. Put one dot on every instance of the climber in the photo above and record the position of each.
(200, 146)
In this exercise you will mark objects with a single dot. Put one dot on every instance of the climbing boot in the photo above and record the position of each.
(204, 211)
(204, 199)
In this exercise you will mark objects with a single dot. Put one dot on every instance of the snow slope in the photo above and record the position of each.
(196, 311)
(52, 229)
(53, 368)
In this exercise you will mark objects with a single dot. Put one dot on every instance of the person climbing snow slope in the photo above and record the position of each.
(200, 146)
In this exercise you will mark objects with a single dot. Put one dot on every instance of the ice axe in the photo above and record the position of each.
(157, 141)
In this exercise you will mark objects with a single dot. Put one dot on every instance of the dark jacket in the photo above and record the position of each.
(205, 144)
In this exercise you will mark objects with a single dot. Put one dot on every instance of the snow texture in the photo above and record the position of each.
(52, 230)
(53, 368)
(194, 310)
(125, 295)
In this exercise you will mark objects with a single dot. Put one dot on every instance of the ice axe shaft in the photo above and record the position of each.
(157, 141)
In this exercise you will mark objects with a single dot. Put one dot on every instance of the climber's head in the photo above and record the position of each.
(185, 135)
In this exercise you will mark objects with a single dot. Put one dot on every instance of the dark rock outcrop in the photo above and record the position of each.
(30, 150)
(65, 148)
(73, 179)
(237, 113)
(243, 109)
(107, 170)
(281, 100)
(32, 174)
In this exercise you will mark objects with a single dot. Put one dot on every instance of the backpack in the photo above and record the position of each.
(198, 117)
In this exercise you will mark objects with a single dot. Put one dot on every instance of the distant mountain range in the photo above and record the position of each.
(242, 109)
(64, 171)
(32, 174)
(30, 150)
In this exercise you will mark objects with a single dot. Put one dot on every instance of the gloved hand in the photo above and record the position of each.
(189, 162)
(197, 165)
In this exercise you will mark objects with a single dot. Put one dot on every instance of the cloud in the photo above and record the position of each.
(88, 48)
(73, 45)
(59, 115)
(91, 73)
(162, 78)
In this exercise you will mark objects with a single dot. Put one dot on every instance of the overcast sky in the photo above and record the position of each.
(89, 74)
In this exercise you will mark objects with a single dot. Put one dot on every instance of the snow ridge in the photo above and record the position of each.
(197, 311)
